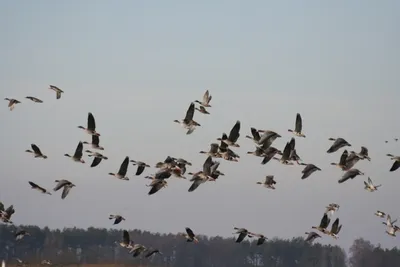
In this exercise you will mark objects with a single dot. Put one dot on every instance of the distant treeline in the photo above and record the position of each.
(94, 246)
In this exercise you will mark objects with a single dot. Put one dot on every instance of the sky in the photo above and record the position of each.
(137, 66)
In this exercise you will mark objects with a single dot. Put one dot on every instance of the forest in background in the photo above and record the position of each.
(81, 247)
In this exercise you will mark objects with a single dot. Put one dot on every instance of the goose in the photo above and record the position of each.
(57, 90)
(267, 138)
(12, 102)
(126, 242)
(152, 252)
(156, 185)
(91, 125)
(255, 135)
(34, 99)
(298, 127)
(396, 163)
(6, 214)
(389, 221)
(332, 208)
(269, 182)
(233, 136)
(342, 161)
(339, 143)
(380, 214)
(335, 229)
(364, 153)
(95, 143)
(137, 249)
(66, 185)
(243, 232)
(261, 238)
(285, 155)
(39, 188)
(323, 224)
(259, 152)
(311, 236)
(351, 160)
(77, 157)
(350, 174)
(226, 152)
(202, 176)
(308, 170)
(190, 236)
(270, 153)
(21, 234)
(188, 122)
(213, 152)
(202, 109)
(206, 100)
(123, 169)
(97, 157)
(36, 152)
(369, 186)
(140, 166)
(117, 218)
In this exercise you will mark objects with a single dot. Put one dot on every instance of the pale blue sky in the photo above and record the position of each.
(137, 66)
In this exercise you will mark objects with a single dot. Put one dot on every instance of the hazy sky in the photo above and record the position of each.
(137, 66)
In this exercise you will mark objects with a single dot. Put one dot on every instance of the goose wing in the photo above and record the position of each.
(65, 191)
(207, 166)
(370, 181)
(325, 221)
(241, 237)
(347, 175)
(190, 232)
(124, 167)
(286, 152)
(234, 133)
(96, 161)
(194, 185)
(125, 237)
(292, 144)
(95, 140)
(91, 124)
(36, 186)
(156, 187)
(299, 123)
(214, 148)
(140, 169)
(269, 179)
(335, 226)
(255, 134)
(163, 174)
(78, 151)
(189, 113)
(343, 158)
(206, 97)
(395, 166)
(36, 149)
(60, 184)
(364, 151)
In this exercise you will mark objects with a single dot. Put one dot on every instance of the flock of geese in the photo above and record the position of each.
(176, 167)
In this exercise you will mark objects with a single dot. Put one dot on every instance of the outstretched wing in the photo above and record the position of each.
(299, 123)
(91, 124)
(234, 133)
(78, 151)
(124, 167)
(36, 149)
(189, 113)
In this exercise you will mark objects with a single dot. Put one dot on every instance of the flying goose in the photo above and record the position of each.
(233, 136)
(202, 110)
(308, 170)
(311, 236)
(91, 125)
(95, 143)
(213, 152)
(6, 214)
(117, 218)
(140, 166)
(21, 234)
(298, 127)
(369, 186)
(342, 161)
(269, 182)
(39, 188)
(57, 90)
(137, 249)
(34, 99)
(323, 224)
(126, 242)
(12, 102)
(188, 122)
(77, 157)
(261, 238)
(202, 176)
(350, 174)
(267, 138)
(225, 152)
(156, 185)
(243, 232)
(270, 152)
(190, 236)
(206, 100)
(66, 185)
(335, 229)
(36, 151)
(364, 153)
(389, 221)
(97, 157)
(339, 143)
(123, 169)
(152, 252)
(380, 214)
(396, 163)
(351, 160)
